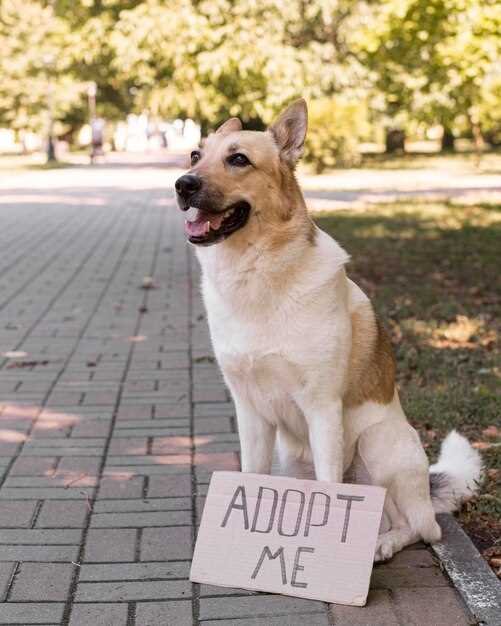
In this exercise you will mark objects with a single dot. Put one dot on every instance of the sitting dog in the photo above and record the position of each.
(309, 365)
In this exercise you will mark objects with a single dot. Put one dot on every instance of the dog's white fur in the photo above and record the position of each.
(284, 347)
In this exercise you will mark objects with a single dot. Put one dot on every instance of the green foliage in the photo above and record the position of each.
(215, 58)
(335, 128)
(33, 65)
(433, 60)
(412, 61)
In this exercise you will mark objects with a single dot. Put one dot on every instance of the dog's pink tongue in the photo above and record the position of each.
(202, 223)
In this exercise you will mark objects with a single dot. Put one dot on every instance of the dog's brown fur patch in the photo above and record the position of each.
(371, 373)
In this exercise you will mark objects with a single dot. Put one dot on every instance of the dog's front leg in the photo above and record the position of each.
(325, 426)
(257, 438)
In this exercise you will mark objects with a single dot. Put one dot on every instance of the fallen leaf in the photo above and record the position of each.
(482, 445)
(22, 364)
(148, 283)
(491, 431)
(14, 354)
(137, 338)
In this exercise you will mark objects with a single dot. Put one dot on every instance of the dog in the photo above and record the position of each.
(308, 363)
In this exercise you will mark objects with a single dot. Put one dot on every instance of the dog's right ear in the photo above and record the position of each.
(289, 131)
(232, 125)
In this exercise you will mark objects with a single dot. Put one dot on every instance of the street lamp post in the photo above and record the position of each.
(48, 62)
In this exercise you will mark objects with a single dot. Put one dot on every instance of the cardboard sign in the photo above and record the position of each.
(297, 537)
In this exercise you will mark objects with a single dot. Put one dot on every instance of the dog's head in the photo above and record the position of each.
(243, 178)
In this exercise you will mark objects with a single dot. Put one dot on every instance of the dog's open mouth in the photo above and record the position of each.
(208, 227)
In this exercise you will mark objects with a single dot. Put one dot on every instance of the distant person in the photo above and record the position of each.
(97, 128)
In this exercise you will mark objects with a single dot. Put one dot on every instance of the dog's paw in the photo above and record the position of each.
(385, 547)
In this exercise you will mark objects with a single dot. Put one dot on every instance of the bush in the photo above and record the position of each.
(335, 126)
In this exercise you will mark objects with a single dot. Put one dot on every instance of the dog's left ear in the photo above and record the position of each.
(289, 131)
(233, 125)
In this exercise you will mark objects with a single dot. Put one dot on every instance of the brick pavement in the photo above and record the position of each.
(113, 420)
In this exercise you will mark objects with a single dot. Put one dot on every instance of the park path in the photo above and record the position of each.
(113, 415)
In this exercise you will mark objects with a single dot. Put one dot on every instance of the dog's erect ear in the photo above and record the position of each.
(232, 125)
(289, 131)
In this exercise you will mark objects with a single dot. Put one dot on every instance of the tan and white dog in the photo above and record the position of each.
(308, 363)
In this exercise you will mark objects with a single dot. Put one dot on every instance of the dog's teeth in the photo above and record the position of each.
(207, 227)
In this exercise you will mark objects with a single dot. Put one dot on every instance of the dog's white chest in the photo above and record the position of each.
(272, 373)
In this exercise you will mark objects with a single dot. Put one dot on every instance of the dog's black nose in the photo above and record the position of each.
(188, 185)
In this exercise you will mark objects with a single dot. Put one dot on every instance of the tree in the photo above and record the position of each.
(34, 66)
(432, 59)
(211, 59)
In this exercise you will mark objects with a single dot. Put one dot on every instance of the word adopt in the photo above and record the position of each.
(298, 537)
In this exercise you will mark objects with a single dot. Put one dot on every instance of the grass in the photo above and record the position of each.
(13, 164)
(433, 273)
(489, 162)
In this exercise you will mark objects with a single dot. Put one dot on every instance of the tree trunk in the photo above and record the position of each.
(447, 140)
(395, 140)
(478, 142)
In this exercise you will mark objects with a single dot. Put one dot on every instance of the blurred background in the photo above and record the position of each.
(382, 76)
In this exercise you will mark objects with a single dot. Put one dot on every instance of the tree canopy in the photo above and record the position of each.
(421, 61)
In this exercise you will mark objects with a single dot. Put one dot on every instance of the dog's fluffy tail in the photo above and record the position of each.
(456, 476)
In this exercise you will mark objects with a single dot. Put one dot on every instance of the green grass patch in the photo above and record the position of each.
(433, 272)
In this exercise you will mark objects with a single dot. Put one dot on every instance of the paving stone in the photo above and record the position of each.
(29, 466)
(211, 425)
(133, 520)
(384, 577)
(171, 445)
(19, 514)
(55, 514)
(128, 446)
(39, 536)
(249, 606)
(164, 613)
(206, 591)
(58, 480)
(151, 431)
(147, 470)
(99, 615)
(105, 545)
(134, 571)
(91, 428)
(36, 450)
(144, 505)
(156, 423)
(412, 558)
(71, 466)
(26, 613)
(430, 606)
(310, 619)
(378, 612)
(169, 486)
(41, 582)
(130, 591)
(38, 553)
(159, 544)
(6, 572)
(43, 493)
(121, 485)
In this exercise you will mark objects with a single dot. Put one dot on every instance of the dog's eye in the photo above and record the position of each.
(238, 160)
(195, 157)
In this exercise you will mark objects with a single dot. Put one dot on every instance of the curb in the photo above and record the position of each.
(474, 580)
